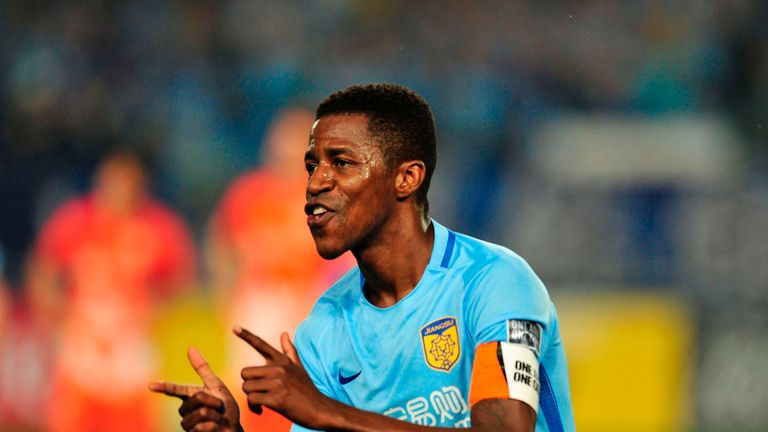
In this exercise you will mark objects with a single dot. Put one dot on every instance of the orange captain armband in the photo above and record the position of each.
(509, 369)
(488, 381)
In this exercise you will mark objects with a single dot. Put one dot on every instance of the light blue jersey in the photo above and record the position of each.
(413, 360)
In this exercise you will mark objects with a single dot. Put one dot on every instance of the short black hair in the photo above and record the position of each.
(398, 118)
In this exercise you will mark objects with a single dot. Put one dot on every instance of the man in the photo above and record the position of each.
(103, 261)
(431, 329)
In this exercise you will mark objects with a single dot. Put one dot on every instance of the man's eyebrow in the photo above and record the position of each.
(330, 151)
(337, 151)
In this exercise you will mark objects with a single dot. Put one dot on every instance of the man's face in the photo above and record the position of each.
(350, 191)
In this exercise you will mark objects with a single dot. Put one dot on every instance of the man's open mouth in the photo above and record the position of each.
(317, 215)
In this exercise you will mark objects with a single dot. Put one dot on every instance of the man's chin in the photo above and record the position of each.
(329, 253)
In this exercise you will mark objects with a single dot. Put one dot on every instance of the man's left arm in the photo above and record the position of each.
(284, 386)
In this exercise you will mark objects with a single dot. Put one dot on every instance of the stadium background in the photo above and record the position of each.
(620, 147)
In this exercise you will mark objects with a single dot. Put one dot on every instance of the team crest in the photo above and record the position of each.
(440, 341)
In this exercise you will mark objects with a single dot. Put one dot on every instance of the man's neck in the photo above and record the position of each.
(394, 264)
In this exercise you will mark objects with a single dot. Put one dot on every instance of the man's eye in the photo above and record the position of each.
(341, 162)
(311, 167)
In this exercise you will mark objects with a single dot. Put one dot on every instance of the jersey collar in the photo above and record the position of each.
(442, 249)
(442, 252)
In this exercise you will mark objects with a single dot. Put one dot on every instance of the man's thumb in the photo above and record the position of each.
(289, 349)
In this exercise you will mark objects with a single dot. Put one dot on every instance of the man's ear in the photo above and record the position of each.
(410, 175)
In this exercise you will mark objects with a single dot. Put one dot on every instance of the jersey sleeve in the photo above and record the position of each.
(308, 344)
(312, 339)
(505, 296)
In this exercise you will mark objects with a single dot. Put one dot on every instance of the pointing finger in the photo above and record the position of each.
(265, 349)
(182, 391)
(203, 369)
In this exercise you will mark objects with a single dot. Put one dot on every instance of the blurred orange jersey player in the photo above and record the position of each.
(262, 256)
(102, 264)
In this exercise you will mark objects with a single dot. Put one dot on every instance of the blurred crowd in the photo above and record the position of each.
(147, 154)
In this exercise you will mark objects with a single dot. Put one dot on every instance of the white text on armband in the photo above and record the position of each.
(520, 361)
(522, 372)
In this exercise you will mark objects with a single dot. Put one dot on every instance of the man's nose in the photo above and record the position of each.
(320, 181)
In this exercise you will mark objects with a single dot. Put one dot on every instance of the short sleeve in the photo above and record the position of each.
(506, 290)
(308, 348)
(309, 339)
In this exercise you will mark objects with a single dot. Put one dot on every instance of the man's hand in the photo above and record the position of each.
(210, 407)
(283, 384)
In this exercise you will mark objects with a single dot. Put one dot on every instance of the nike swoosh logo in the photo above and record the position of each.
(346, 380)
